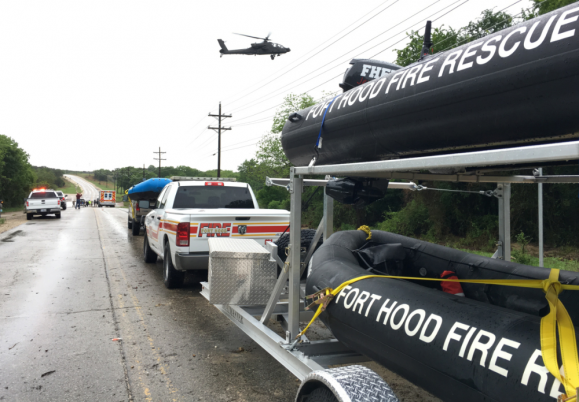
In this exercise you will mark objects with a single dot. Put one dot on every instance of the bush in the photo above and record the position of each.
(412, 220)
(521, 256)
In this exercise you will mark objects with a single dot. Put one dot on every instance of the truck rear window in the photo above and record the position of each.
(48, 194)
(212, 197)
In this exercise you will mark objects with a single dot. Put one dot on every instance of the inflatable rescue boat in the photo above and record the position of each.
(473, 342)
(514, 87)
(148, 190)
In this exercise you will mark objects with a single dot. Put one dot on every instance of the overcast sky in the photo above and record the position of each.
(103, 84)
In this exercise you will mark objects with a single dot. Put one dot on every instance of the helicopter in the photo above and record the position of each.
(261, 48)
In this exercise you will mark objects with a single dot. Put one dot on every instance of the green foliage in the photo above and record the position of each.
(16, 175)
(291, 103)
(448, 38)
(541, 7)
(441, 38)
(521, 256)
(412, 220)
(49, 178)
(270, 160)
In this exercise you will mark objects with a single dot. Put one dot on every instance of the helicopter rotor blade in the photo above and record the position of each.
(267, 37)
(249, 36)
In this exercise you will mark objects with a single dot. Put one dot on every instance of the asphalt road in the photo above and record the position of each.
(69, 286)
(89, 191)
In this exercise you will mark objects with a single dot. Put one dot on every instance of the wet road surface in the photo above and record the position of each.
(69, 286)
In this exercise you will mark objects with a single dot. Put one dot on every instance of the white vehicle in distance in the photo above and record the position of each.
(190, 210)
(62, 199)
(42, 202)
(107, 198)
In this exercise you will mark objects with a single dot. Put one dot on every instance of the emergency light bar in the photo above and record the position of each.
(185, 178)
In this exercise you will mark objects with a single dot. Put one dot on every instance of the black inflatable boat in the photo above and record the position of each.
(514, 87)
(481, 347)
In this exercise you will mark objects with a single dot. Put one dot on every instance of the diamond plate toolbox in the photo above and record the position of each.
(240, 272)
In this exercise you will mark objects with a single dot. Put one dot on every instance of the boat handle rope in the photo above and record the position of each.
(558, 318)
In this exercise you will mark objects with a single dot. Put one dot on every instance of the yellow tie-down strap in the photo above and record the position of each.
(557, 317)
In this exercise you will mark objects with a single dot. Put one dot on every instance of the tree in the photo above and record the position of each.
(291, 103)
(16, 175)
(541, 7)
(444, 39)
(270, 160)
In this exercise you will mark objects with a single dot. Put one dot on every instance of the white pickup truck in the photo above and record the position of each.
(42, 202)
(190, 210)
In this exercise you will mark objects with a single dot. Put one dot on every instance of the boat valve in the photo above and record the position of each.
(323, 297)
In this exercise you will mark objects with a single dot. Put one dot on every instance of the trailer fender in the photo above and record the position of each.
(351, 383)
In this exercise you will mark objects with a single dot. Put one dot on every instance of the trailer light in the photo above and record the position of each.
(183, 234)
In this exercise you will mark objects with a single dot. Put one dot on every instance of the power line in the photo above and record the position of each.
(339, 57)
(500, 11)
(317, 47)
(331, 68)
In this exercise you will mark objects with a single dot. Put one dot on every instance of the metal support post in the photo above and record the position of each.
(503, 193)
(296, 188)
(328, 216)
(541, 219)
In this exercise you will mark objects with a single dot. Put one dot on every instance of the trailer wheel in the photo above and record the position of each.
(136, 228)
(320, 394)
(29, 217)
(130, 223)
(173, 278)
(148, 254)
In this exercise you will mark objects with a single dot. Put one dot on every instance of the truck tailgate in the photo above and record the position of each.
(40, 203)
(259, 224)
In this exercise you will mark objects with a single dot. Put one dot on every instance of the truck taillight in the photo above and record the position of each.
(214, 183)
(183, 234)
(58, 201)
(27, 204)
(138, 208)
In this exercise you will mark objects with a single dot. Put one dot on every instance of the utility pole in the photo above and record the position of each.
(159, 159)
(218, 129)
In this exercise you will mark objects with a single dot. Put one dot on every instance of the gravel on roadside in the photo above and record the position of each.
(11, 220)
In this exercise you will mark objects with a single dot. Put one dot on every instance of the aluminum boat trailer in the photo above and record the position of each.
(309, 360)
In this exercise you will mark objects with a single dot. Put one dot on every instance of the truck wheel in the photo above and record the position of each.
(130, 223)
(58, 215)
(136, 228)
(29, 217)
(320, 394)
(149, 255)
(173, 278)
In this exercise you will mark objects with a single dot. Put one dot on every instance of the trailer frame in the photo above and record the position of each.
(286, 303)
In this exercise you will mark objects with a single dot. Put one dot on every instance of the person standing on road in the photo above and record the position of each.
(78, 195)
